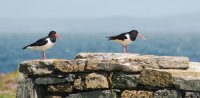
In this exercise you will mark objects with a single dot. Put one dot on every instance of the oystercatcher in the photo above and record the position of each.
(126, 38)
(44, 43)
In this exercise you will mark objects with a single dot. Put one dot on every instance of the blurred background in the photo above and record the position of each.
(171, 27)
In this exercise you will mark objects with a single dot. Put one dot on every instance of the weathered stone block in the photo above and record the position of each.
(60, 88)
(91, 81)
(186, 79)
(169, 62)
(194, 66)
(161, 62)
(103, 62)
(37, 67)
(47, 67)
(94, 65)
(96, 81)
(55, 80)
(68, 66)
(28, 89)
(136, 94)
(109, 66)
(167, 94)
(93, 94)
(124, 81)
(155, 78)
(104, 56)
(146, 61)
(180, 79)
(53, 96)
(186, 83)
(128, 71)
(192, 95)
(79, 83)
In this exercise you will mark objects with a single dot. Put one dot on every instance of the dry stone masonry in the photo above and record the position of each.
(110, 75)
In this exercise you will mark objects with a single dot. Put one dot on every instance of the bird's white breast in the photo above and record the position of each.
(44, 47)
(124, 42)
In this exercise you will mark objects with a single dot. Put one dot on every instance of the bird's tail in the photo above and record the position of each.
(25, 47)
(110, 37)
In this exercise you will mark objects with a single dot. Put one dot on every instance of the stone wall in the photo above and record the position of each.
(110, 75)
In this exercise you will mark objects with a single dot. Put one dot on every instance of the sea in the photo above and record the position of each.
(163, 44)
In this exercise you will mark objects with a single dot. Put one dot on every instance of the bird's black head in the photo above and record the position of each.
(134, 34)
(53, 34)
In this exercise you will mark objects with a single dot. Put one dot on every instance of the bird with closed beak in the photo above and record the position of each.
(44, 43)
(126, 38)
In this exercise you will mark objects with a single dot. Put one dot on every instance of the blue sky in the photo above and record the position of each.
(95, 8)
(15, 11)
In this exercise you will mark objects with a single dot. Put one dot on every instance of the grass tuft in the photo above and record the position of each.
(8, 85)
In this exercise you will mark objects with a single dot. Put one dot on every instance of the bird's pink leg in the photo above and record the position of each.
(126, 48)
(43, 55)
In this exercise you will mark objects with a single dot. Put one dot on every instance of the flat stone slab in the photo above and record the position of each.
(47, 67)
(187, 84)
(104, 56)
(180, 79)
(146, 61)
(151, 94)
(194, 66)
(110, 66)
(94, 65)
(52, 96)
(55, 80)
(192, 95)
(93, 94)
(110, 75)
(37, 67)
(136, 94)
(103, 62)
(167, 94)
(124, 81)
(95, 81)
(155, 78)
(60, 88)
(91, 81)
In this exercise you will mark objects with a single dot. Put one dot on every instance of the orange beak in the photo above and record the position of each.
(58, 36)
(142, 37)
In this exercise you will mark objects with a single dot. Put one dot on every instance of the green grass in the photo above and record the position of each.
(6, 81)
(7, 95)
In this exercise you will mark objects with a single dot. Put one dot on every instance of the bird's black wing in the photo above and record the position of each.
(39, 42)
(118, 37)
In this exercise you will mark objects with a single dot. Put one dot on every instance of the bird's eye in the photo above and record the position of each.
(134, 33)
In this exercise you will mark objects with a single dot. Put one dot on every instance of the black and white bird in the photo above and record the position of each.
(126, 38)
(44, 43)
